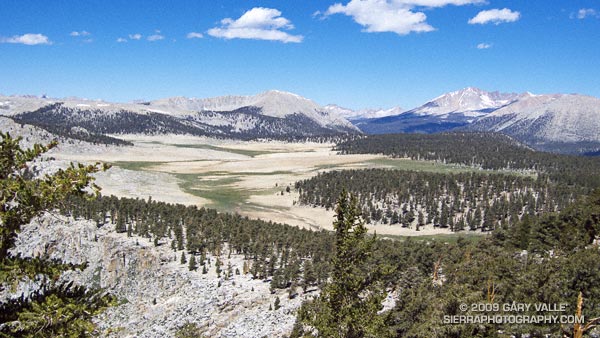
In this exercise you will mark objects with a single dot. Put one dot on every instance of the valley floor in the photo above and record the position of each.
(250, 178)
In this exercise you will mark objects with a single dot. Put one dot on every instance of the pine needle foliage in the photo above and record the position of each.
(55, 309)
(348, 305)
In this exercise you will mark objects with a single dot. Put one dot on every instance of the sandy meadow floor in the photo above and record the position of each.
(233, 176)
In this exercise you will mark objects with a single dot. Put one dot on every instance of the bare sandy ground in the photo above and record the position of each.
(282, 209)
(259, 172)
(142, 184)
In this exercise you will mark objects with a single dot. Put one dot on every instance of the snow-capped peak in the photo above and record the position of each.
(469, 101)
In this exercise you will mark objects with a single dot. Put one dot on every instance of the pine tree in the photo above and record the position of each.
(348, 305)
(55, 309)
(218, 267)
(183, 260)
(192, 266)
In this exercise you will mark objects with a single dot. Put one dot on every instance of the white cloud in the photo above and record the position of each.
(82, 33)
(194, 35)
(135, 36)
(438, 3)
(317, 14)
(155, 37)
(121, 40)
(383, 16)
(484, 45)
(585, 13)
(258, 23)
(397, 16)
(28, 39)
(495, 16)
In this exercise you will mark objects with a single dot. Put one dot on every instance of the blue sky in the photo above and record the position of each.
(355, 53)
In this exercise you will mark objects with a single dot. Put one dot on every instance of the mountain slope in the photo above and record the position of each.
(559, 122)
(359, 115)
(445, 112)
(271, 114)
(272, 103)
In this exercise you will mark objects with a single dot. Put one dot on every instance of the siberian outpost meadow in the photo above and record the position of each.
(233, 200)
(471, 214)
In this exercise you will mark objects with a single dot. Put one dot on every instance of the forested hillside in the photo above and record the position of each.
(550, 260)
(245, 123)
(272, 249)
(430, 278)
(51, 120)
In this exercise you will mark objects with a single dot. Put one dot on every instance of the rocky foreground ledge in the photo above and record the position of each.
(157, 293)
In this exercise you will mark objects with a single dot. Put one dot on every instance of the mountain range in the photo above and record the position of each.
(272, 114)
(568, 123)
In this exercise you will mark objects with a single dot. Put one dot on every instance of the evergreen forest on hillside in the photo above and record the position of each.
(541, 259)
(93, 125)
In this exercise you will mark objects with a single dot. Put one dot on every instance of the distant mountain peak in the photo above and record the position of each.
(470, 101)
(356, 115)
(274, 103)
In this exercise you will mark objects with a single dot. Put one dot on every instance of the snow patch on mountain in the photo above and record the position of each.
(354, 115)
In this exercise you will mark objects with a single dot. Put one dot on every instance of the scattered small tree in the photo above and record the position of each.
(183, 259)
(192, 266)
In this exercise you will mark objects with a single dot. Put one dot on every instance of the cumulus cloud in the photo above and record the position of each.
(585, 13)
(194, 35)
(495, 16)
(438, 3)
(259, 23)
(397, 16)
(135, 36)
(484, 45)
(121, 40)
(155, 37)
(28, 39)
(82, 33)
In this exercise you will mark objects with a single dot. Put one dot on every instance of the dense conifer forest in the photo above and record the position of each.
(507, 181)
(480, 150)
(458, 201)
